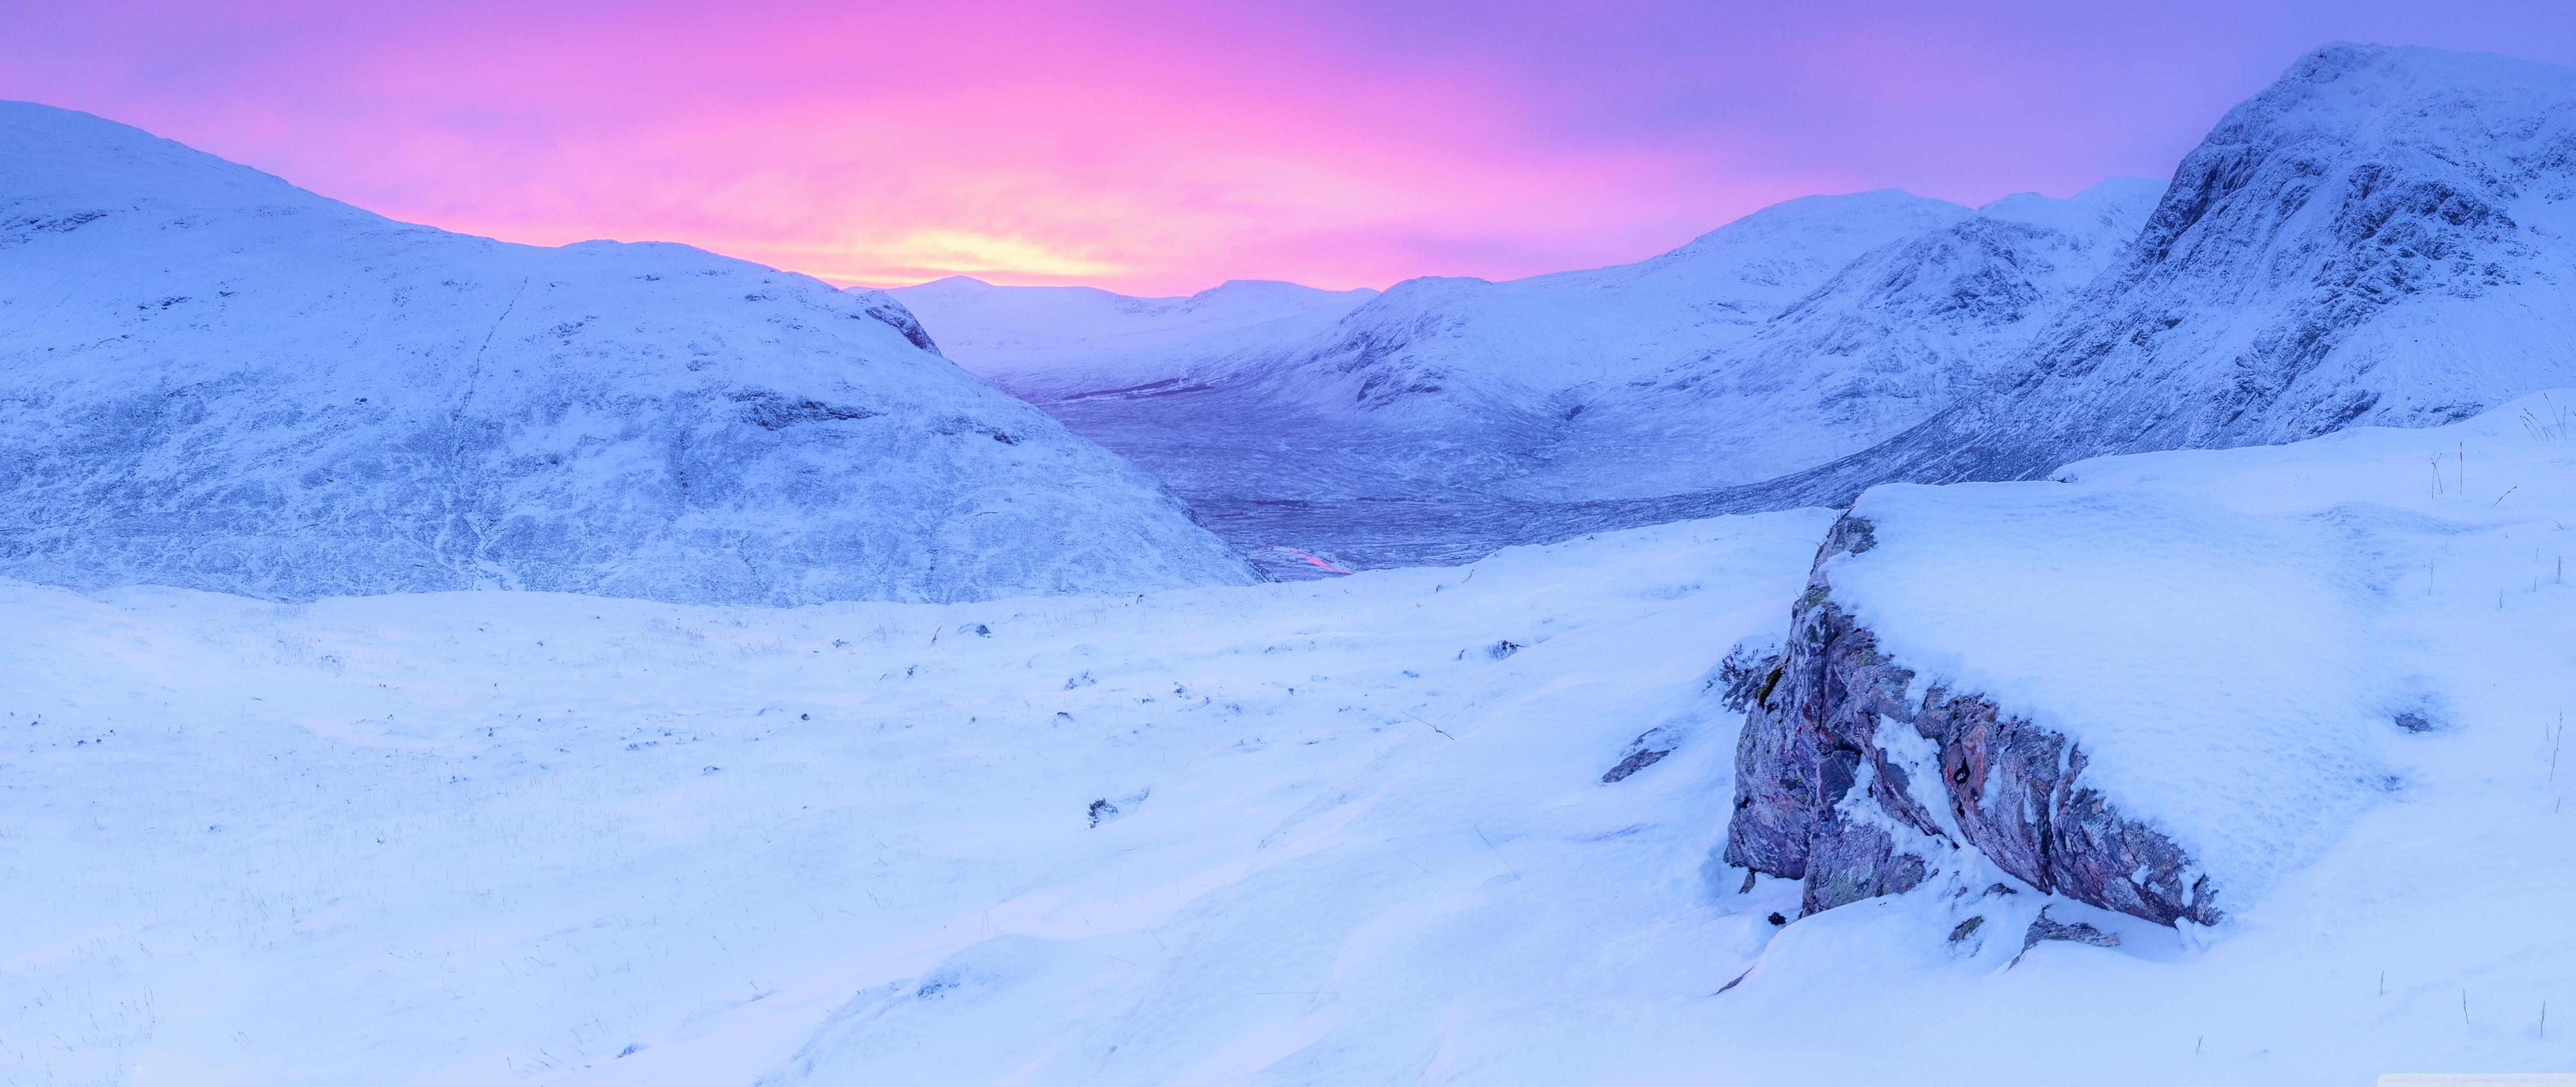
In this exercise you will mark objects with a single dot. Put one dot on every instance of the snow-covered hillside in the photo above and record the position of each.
(2387, 236)
(1449, 387)
(2381, 238)
(1448, 416)
(1893, 337)
(1046, 342)
(1343, 832)
(214, 379)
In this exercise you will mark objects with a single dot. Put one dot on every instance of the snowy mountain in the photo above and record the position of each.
(1438, 826)
(2383, 237)
(1446, 417)
(1042, 342)
(1448, 387)
(216, 380)
(1892, 338)
(2386, 236)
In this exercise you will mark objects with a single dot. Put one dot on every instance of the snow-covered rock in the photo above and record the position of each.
(2156, 684)
(1827, 794)
(2386, 236)
(216, 380)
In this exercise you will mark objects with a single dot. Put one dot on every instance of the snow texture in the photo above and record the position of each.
(543, 838)
(213, 379)
(2216, 668)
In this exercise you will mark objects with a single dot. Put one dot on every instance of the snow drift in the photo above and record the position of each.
(213, 379)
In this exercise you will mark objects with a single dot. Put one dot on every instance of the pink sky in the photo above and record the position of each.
(1161, 148)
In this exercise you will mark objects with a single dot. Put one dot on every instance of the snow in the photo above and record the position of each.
(488, 837)
(1161, 828)
(1083, 339)
(1360, 833)
(2384, 237)
(2216, 668)
(1449, 416)
(2231, 636)
(219, 381)
(1894, 336)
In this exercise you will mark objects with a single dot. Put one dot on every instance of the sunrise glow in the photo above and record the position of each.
(1157, 147)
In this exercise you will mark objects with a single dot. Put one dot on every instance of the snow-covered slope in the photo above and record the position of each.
(1892, 338)
(1344, 832)
(214, 379)
(1449, 387)
(1041, 342)
(1450, 416)
(1443, 351)
(2386, 236)
(483, 838)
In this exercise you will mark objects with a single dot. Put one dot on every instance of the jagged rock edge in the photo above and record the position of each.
(1820, 798)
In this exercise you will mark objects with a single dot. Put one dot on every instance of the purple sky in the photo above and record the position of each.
(1164, 147)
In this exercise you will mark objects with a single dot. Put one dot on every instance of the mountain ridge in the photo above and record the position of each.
(217, 380)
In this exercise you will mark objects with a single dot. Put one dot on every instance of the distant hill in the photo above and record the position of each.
(216, 380)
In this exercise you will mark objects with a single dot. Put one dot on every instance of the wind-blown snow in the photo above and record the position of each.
(1348, 832)
(485, 837)
(216, 380)
(2218, 670)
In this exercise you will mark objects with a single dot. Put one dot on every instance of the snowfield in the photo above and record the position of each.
(489, 837)
(1352, 831)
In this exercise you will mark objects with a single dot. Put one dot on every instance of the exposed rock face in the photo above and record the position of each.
(1820, 796)
(2379, 239)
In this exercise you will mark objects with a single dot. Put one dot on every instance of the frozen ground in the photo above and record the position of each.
(1351, 831)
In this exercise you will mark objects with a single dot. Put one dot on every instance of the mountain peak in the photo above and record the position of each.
(2378, 238)
(50, 155)
(220, 381)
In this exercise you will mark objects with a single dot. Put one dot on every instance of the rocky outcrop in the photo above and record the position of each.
(1848, 781)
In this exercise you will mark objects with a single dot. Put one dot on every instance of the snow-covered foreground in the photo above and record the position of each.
(1351, 831)
(460, 838)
